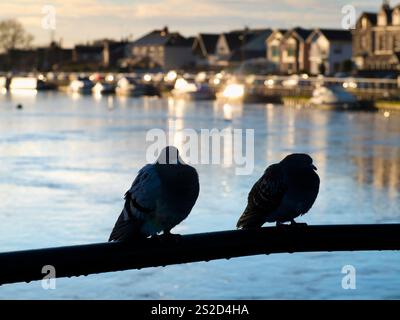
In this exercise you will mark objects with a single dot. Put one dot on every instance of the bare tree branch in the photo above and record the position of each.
(13, 35)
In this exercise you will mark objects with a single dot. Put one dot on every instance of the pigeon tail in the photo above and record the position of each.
(127, 229)
(250, 219)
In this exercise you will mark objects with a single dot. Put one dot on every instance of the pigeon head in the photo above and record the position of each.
(169, 155)
(298, 160)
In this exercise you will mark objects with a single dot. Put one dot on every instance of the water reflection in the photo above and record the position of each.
(122, 100)
(110, 102)
(23, 93)
(19, 95)
(65, 165)
(176, 112)
(377, 152)
(380, 171)
(327, 136)
(227, 111)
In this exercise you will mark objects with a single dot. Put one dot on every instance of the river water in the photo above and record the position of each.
(66, 162)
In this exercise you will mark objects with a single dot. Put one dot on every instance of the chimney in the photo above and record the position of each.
(386, 4)
(164, 31)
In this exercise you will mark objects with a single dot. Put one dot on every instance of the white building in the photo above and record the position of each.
(273, 44)
(329, 49)
(162, 49)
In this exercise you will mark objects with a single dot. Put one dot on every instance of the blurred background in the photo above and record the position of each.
(83, 83)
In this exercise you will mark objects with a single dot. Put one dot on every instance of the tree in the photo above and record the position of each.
(13, 35)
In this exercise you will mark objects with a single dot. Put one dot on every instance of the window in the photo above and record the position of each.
(381, 42)
(363, 42)
(290, 52)
(315, 38)
(364, 23)
(396, 17)
(382, 19)
(275, 51)
(221, 49)
(397, 42)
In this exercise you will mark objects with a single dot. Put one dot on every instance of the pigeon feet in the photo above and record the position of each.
(281, 225)
(296, 224)
(168, 236)
(293, 224)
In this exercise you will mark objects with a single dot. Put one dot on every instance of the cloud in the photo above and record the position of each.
(179, 8)
(81, 20)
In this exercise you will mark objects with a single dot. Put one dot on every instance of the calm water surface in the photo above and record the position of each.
(65, 163)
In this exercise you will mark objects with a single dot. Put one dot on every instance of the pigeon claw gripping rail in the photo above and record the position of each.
(25, 266)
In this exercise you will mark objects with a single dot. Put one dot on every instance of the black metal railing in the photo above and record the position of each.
(88, 259)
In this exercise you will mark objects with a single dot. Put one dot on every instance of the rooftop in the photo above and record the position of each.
(163, 38)
(336, 34)
(209, 41)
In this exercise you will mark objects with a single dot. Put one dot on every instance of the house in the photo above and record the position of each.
(53, 57)
(113, 52)
(254, 46)
(295, 51)
(3, 61)
(46, 58)
(240, 45)
(204, 49)
(102, 53)
(329, 50)
(376, 40)
(227, 44)
(363, 39)
(161, 49)
(90, 54)
(22, 60)
(273, 45)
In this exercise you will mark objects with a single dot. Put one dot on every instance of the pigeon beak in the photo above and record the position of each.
(314, 167)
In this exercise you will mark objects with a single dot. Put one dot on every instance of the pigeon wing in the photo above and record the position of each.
(312, 187)
(140, 203)
(264, 197)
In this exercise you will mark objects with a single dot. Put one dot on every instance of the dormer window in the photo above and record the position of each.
(364, 23)
(396, 17)
(382, 19)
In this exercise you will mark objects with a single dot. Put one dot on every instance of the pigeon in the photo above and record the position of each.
(161, 197)
(286, 190)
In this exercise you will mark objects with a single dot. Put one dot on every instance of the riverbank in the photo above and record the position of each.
(366, 105)
(389, 105)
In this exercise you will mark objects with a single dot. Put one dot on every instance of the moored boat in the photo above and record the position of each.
(333, 97)
(130, 86)
(103, 88)
(27, 83)
(81, 85)
(190, 90)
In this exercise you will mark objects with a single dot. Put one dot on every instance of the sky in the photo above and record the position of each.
(80, 21)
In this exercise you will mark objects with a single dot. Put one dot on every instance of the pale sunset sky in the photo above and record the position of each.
(79, 21)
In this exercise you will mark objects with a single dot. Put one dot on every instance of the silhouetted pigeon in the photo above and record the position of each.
(287, 190)
(161, 197)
